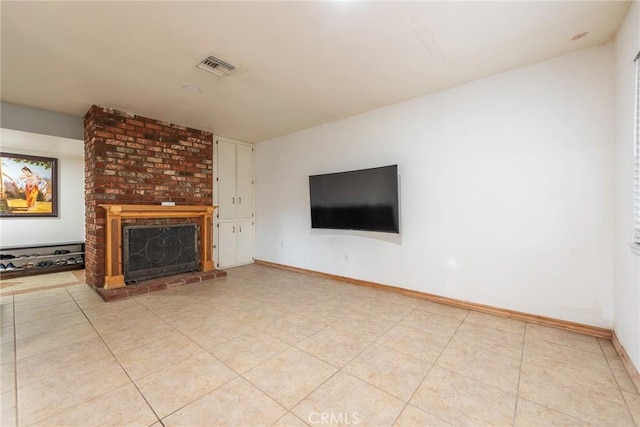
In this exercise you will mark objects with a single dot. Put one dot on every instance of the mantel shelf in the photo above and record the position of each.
(157, 211)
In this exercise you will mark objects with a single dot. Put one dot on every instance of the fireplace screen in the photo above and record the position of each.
(159, 250)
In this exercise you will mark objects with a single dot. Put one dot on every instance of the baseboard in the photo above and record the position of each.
(533, 318)
(626, 361)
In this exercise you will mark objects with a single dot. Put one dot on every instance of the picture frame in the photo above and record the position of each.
(28, 186)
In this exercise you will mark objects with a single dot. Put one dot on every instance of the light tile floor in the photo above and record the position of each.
(26, 284)
(275, 348)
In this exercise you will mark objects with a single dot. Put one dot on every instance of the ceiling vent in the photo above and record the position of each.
(216, 66)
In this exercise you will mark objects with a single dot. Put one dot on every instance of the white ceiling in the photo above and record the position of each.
(300, 64)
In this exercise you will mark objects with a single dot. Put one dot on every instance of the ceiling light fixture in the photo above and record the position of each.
(191, 89)
(579, 36)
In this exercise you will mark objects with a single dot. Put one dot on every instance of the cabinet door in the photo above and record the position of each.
(226, 180)
(244, 181)
(244, 248)
(227, 244)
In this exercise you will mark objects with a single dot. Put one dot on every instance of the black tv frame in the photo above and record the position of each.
(363, 199)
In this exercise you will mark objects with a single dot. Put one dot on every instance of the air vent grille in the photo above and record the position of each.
(216, 66)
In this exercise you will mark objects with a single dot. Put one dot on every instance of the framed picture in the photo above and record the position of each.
(29, 186)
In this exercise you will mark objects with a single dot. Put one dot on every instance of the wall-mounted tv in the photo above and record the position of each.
(364, 199)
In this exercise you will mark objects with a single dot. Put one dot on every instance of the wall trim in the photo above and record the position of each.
(626, 361)
(503, 312)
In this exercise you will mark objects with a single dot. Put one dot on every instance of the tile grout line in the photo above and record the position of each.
(431, 368)
(546, 406)
(521, 356)
(238, 374)
(482, 382)
(287, 410)
(445, 347)
(15, 343)
(288, 348)
(626, 404)
(339, 369)
(246, 292)
(515, 409)
(118, 361)
(399, 322)
(15, 360)
(369, 346)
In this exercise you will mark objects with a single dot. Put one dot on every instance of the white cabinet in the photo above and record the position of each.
(234, 191)
(235, 180)
(235, 243)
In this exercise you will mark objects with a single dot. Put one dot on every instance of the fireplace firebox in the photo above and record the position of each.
(151, 251)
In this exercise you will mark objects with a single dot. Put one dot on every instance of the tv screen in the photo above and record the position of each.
(364, 199)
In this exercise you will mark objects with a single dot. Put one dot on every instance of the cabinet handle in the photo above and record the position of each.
(240, 227)
(234, 229)
(239, 200)
(233, 200)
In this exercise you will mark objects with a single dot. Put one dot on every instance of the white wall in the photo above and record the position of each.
(506, 187)
(69, 225)
(627, 264)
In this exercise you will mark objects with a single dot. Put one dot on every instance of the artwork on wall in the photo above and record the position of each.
(29, 186)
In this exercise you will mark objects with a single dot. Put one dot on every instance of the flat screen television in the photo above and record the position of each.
(364, 199)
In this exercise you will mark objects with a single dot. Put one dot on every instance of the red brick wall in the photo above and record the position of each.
(131, 159)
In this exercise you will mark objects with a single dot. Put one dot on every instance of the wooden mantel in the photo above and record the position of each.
(114, 274)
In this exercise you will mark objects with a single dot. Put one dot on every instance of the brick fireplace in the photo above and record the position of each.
(136, 160)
